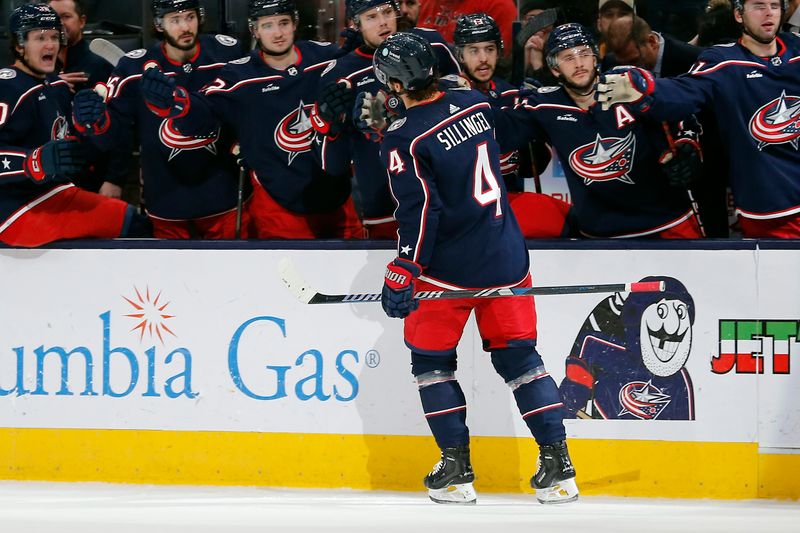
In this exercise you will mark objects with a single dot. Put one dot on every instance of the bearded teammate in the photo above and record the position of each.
(479, 46)
(266, 98)
(38, 203)
(190, 184)
(753, 88)
(375, 20)
(456, 232)
(616, 163)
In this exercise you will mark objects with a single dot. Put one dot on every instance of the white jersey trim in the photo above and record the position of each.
(767, 216)
(663, 227)
(25, 208)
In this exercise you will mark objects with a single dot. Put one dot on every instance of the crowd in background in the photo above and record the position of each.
(627, 32)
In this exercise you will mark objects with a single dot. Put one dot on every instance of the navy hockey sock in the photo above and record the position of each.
(541, 408)
(445, 409)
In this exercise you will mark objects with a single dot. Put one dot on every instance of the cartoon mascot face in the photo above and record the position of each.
(660, 325)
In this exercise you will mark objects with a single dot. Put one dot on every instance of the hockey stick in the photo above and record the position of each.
(107, 50)
(692, 202)
(236, 151)
(307, 294)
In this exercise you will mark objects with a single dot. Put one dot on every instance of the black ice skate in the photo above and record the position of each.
(451, 479)
(554, 480)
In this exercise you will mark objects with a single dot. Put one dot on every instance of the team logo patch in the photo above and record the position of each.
(8, 74)
(177, 142)
(292, 71)
(642, 400)
(777, 122)
(605, 159)
(397, 124)
(549, 89)
(136, 54)
(329, 67)
(241, 61)
(60, 129)
(226, 40)
(294, 133)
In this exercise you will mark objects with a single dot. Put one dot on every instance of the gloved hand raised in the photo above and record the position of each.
(397, 297)
(55, 158)
(622, 85)
(332, 109)
(89, 113)
(162, 95)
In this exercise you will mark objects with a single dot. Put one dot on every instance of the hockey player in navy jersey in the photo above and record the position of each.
(266, 98)
(753, 88)
(479, 46)
(616, 162)
(628, 360)
(375, 20)
(38, 202)
(190, 184)
(456, 231)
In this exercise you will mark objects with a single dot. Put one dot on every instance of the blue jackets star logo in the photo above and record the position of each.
(777, 122)
(642, 400)
(605, 159)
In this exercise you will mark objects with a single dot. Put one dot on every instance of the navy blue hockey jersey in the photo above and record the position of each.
(270, 112)
(452, 207)
(32, 112)
(505, 96)
(610, 160)
(756, 102)
(184, 177)
(356, 67)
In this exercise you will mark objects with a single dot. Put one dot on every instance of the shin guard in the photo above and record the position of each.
(445, 408)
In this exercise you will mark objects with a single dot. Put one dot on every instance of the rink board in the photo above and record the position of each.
(197, 366)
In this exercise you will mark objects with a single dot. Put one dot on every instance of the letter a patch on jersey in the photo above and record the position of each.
(396, 165)
(624, 117)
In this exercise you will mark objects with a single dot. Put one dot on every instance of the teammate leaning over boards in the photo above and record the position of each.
(614, 160)
(190, 184)
(375, 20)
(753, 88)
(479, 46)
(266, 98)
(455, 232)
(38, 203)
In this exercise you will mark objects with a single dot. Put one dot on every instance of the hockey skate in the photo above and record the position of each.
(554, 480)
(451, 479)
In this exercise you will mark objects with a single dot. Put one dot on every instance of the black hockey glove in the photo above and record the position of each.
(332, 109)
(352, 39)
(397, 297)
(89, 113)
(683, 165)
(56, 158)
(162, 96)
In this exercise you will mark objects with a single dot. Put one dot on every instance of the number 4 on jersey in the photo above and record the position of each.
(396, 165)
(484, 175)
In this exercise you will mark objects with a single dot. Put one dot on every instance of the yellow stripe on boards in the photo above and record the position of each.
(605, 467)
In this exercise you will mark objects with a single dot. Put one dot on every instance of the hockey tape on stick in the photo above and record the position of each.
(309, 295)
(107, 50)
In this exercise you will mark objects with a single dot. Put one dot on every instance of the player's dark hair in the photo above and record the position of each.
(80, 7)
(420, 95)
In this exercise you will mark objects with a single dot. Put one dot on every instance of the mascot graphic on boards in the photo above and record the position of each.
(628, 359)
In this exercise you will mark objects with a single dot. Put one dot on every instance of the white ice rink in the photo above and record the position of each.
(101, 508)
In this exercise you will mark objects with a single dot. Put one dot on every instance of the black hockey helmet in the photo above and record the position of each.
(476, 28)
(268, 8)
(565, 37)
(356, 7)
(406, 58)
(29, 17)
(160, 8)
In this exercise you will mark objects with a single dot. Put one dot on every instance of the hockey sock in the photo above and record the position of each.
(445, 409)
(541, 408)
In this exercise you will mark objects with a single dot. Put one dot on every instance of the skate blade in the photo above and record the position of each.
(463, 494)
(562, 492)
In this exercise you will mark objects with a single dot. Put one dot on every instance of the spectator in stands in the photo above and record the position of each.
(409, 14)
(632, 41)
(77, 65)
(441, 15)
(38, 202)
(608, 11)
(717, 25)
(793, 17)
(539, 17)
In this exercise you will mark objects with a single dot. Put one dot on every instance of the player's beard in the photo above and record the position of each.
(175, 44)
(760, 38)
(404, 23)
(582, 89)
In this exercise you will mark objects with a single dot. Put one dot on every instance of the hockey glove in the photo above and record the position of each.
(162, 96)
(352, 39)
(89, 113)
(332, 109)
(397, 297)
(622, 85)
(683, 164)
(56, 158)
(455, 82)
